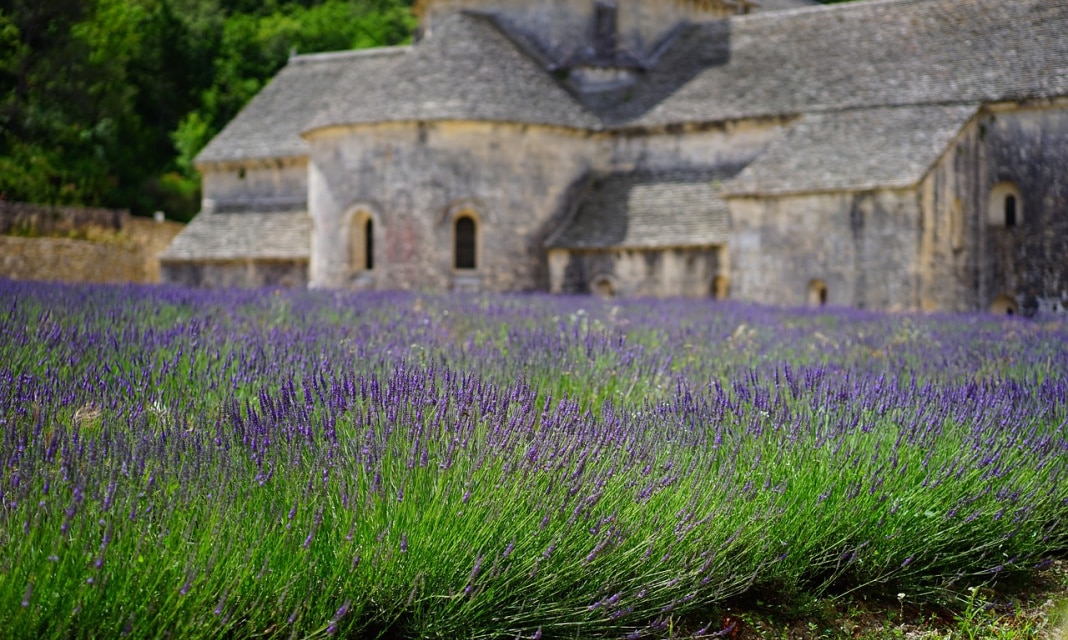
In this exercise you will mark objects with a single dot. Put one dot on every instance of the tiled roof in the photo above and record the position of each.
(240, 236)
(870, 53)
(270, 124)
(645, 210)
(466, 69)
(853, 151)
(879, 53)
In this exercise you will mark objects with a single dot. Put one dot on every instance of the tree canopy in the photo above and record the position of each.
(106, 102)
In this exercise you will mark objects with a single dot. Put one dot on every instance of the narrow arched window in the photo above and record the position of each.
(361, 241)
(369, 244)
(1010, 211)
(465, 249)
(1006, 206)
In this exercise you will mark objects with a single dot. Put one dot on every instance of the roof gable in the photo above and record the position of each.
(853, 151)
(270, 124)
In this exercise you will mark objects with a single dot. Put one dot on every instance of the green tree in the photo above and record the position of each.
(106, 102)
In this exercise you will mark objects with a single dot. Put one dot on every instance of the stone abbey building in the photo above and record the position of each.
(882, 154)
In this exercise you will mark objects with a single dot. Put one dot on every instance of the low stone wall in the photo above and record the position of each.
(22, 218)
(151, 238)
(127, 255)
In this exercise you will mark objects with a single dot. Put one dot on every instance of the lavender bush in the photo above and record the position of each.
(261, 464)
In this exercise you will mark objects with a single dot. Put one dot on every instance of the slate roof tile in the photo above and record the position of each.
(879, 53)
(270, 124)
(240, 236)
(847, 56)
(853, 151)
(650, 209)
(466, 69)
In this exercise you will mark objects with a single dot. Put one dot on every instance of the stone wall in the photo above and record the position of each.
(861, 246)
(1026, 148)
(238, 273)
(731, 144)
(414, 180)
(262, 186)
(151, 238)
(69, 260)
(687, 272)
(969, 259)
(127, 253)
(21, 218)
(942, 246)
(950, 228)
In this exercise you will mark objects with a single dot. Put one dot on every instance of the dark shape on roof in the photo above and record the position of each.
(686, 51)
(649, 209)
(853, 151)
(270, 124)
(876, 53)
(467, 69)
(242, 236)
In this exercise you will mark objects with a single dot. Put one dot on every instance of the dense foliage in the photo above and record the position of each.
(106, 102)
(270, 464)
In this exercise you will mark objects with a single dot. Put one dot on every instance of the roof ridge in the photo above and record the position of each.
(856, 5)
(333, 56)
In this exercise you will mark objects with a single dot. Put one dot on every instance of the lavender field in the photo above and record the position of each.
(266, 464)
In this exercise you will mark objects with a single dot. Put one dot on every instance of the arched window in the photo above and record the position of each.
(361, 242)
(465, 250)
(1006, 206)
(817, 293)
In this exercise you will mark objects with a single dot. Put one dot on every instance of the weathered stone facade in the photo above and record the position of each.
(880, 154)
(851, 242)
(1025, 148)
(415, 180)
(652, 273)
